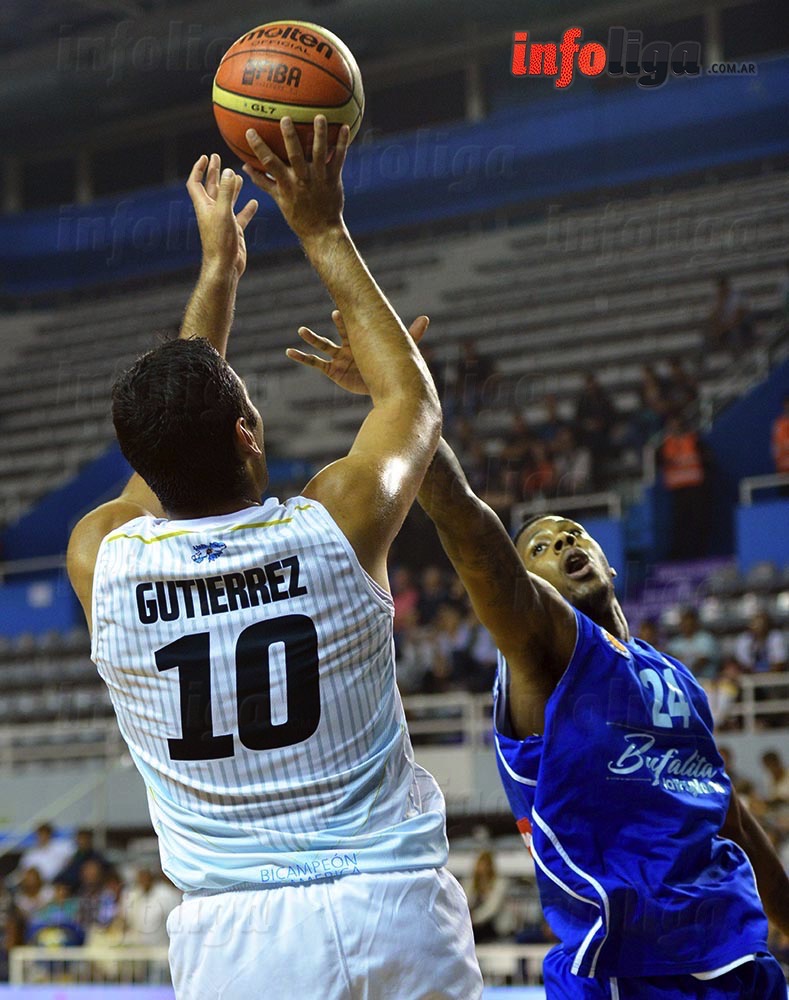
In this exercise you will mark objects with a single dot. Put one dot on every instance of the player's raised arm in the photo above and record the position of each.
(369, 492)
(209, 314)
(530, 622)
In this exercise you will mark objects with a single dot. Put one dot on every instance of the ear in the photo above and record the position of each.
(613, 572)
(245, 439)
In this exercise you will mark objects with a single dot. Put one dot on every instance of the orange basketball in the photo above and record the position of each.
(286, 68)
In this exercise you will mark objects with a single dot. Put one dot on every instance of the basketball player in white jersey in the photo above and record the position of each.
(248, 650)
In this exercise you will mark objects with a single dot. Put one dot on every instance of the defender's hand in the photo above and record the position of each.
(309, 195)
(214, 198)
(341, 366)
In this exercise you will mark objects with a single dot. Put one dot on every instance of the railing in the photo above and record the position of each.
(450, 720)
(92, 964)
(512, 963)
(751, 484)
(500, 963)
(751, 709)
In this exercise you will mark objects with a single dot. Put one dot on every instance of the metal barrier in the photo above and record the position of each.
(433, 720)
(751, 484)
(584, 503)
(93, 964)
(512, 964)
(500, 963)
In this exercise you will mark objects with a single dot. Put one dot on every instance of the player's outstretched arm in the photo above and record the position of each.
(209, 314)
(771, 879)
(370, 491)
(530, 622)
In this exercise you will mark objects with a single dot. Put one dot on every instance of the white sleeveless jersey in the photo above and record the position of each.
(250, 662)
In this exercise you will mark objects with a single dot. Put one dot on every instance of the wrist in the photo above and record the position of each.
(218, 273)
(324, 236)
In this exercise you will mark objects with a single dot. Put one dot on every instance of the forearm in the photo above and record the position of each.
(209, 312)
(447, 498)
(385, 354)
(771, 879)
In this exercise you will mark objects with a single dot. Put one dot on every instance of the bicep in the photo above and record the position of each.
(84, 544)
(370, 491)
(532, 626)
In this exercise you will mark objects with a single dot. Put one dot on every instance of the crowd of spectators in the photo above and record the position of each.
(65, 893)
(576, 446)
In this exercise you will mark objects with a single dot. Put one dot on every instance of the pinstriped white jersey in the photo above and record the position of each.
(250, 662)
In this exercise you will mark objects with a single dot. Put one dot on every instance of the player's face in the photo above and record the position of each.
(562, 553)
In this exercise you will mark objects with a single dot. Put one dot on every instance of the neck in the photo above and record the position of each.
(215, 510)
(612, 619)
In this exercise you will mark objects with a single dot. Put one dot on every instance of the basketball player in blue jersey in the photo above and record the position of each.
(652, 874)
(248, 647)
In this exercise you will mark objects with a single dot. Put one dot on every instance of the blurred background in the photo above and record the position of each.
(607, 272)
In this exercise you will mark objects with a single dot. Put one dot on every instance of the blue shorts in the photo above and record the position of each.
(761, 979)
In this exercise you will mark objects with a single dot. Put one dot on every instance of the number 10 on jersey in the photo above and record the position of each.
(190, 655)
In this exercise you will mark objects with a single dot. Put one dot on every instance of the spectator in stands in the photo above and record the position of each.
(516, 453)
(144, 909)
(761, 648)
(539, 478)
(648, 419)
(98, 900)
(779, 441)
(573, 464)
(684, 460)
(85, 851)
(405, 596)
(57, 924)
(649, 632)
(595, 416)
(433, 594)
(416, 656)
(681, 390)
(552, 422)
(475, 372)
(730, 323)
(452, 667)
(49, 855)
(32, 893)
(695, 647)
(487, 894)
(723, 691)
(777, 785)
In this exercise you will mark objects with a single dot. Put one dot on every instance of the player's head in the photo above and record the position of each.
(186, 424)
(559, 551)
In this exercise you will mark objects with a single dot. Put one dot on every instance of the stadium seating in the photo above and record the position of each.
(548, 299)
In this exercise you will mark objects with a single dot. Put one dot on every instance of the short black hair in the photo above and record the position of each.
(175, 412)
(528, 523)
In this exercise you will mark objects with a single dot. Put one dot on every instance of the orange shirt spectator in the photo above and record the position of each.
(780, 439)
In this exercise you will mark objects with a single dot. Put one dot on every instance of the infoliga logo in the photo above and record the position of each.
(625, 55)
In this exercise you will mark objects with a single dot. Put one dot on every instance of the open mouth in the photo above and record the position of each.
(577, 564)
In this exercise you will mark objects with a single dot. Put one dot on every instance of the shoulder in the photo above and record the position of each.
(85, 542)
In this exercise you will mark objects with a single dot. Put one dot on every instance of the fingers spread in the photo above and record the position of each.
(262, 180)
(247, 213)
(194, 183)
(212, 176)
(339, 322)
(227, 189)
(269, 160)
(340, 151)
(310, 360)
(315, 340)
(293, 148)
(319, 143)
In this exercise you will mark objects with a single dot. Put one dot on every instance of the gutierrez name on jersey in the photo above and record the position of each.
(214, 595)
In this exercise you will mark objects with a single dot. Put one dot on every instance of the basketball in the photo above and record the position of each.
(286, 68)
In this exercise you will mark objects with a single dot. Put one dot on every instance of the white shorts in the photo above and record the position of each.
(391, 936)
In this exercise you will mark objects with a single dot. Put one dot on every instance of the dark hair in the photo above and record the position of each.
(528, 523)
(174, 413)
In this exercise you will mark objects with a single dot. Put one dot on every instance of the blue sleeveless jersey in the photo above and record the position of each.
(620, 802)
